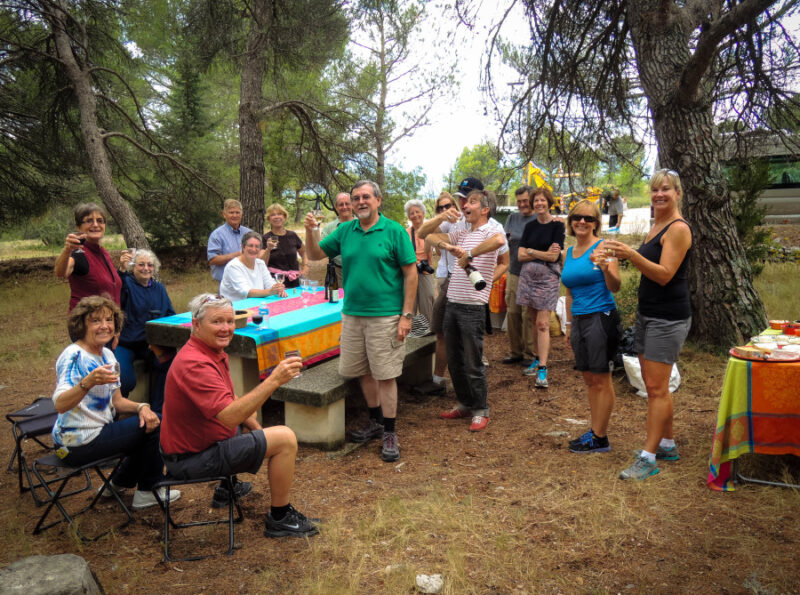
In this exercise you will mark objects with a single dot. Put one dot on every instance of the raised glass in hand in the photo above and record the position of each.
(611, 255)
(280, 277)
(319, 217)
(294, 353)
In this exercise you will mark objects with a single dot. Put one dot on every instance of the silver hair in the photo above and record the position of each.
(376, 190)
(414, 202)
(249, 236)
(204, 301)
(150, 256)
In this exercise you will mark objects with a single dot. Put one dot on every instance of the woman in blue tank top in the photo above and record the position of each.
(593, 326)
(664, 315)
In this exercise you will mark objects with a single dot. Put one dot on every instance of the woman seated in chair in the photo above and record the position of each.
(87, 396)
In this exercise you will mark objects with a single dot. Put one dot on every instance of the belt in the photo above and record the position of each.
(177, 457)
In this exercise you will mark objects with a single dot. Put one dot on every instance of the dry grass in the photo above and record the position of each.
(505, 511)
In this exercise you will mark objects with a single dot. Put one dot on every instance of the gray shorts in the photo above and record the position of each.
(439, 305)
(595, 339)
(660, 340)
(243, 453)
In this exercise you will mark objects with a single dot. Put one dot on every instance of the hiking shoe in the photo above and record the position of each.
(541, 378)
(593, 444)
(512, 359)
(531, 369)
(373, 429)
(479, 422)
(454, 413)
(146, 499)
(391, 448)
(585, 437)
(641, 469)
(108, 490)
(667, 454)
(222, 495)
(294, 524)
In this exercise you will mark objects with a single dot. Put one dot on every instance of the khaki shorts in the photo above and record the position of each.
(369, 345)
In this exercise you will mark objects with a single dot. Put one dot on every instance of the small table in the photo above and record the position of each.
(313, 329)
(759, 412)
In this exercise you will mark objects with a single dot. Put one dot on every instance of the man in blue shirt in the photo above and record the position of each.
(225, 242)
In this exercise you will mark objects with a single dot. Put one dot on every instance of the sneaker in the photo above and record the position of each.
(146, 499)
(667, 454)
(531, 369)
(454, 413)
(294, 524)
(641, 469)
(593, 444)
(391, 448)
(585, 437)
(373, 429)
(108, 490)
(541, 378)
(479, 422)
(222, 494)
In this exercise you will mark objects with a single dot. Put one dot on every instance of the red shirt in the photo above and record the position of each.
(198, 387)
(100, 279)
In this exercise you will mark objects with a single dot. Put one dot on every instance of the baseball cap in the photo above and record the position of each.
(466, 186)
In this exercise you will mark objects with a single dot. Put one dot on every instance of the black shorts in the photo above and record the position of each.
(595, 339)
(243, 453)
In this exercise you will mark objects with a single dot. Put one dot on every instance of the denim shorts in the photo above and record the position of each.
(660, 340)
(243, 453)
(595, 339)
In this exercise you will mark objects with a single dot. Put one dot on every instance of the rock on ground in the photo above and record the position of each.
(63, 574)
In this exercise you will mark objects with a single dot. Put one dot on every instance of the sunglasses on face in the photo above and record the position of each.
(586, 218)
(442, 208)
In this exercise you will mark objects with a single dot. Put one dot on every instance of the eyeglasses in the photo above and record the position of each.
(99, 220)
(586, 218)
(441, 208)
(146, 265)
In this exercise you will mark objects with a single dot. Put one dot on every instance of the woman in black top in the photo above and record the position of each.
(664, 315)
(283, 246)
(539, 252)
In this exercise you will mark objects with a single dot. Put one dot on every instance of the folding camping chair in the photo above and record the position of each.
(66, 474)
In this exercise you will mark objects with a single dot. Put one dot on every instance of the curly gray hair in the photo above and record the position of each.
(149, 255)
(414, 202)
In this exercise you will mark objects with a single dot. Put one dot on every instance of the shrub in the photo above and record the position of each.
(746, 182)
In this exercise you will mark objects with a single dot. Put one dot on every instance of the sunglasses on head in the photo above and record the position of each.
(586, 218)
(671, 172)
(441, 208)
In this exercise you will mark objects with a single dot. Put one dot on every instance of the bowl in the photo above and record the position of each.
(777, 325)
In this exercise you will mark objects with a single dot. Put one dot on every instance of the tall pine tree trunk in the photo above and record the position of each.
(252, 174)
(725, 306)
(78, 71)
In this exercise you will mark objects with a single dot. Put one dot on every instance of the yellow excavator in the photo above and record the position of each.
(562, 189)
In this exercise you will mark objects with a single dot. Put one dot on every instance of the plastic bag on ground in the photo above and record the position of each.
(634, 372)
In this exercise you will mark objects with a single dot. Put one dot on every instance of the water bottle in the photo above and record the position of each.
(263, 311)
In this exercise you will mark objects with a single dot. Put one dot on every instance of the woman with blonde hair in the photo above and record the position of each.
(664, 316)
(282, 248)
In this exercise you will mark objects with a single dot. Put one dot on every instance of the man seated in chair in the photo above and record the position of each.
(202, 414)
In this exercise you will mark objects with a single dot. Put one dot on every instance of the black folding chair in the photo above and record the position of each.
(33, 422)
(168, 483)
(66, 474)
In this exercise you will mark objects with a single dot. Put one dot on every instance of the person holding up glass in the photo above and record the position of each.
(593, 324)
(246, 276)
(664, 316)
(283, 246)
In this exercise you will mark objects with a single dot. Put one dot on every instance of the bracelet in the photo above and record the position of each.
(83, 386)
(141, 406)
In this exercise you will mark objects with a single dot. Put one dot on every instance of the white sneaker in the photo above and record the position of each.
(106, 492)
(143, 499)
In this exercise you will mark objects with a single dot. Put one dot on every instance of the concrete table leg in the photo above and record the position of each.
(322, 427)
(244, 373)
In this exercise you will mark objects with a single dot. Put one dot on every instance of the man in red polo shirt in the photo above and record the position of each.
(202, 414)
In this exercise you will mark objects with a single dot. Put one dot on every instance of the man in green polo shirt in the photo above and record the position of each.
(380, 285)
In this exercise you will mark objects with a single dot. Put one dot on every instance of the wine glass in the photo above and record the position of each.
(258, 319)
(294, 353)
(319, 217)
(272, 243)
(611, 255)
(280, 277)
(594, 262)
(117, 370)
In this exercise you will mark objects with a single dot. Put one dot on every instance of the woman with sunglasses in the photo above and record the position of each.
(84, 262)
(593, 325)
(664, 316)
(539, 252)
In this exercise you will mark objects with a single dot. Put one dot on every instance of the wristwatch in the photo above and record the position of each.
(469, 254)
(82, 385)
(408, 315)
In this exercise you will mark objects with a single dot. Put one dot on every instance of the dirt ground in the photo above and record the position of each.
(535, 518)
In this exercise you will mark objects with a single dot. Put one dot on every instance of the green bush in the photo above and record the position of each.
(627, 297)
(746, 182)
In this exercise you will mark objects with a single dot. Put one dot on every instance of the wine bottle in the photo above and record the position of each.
(331, 284)
(475, 277)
